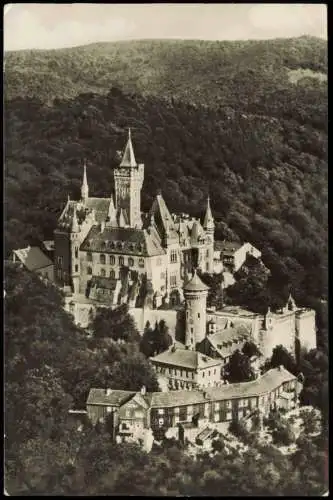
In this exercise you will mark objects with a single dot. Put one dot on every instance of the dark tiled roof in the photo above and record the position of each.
(33, 258)
(220, 340)
(162, 216)
(227, 246)
(116, 397)
(100, 205)
(195, 284)
(128, 159)
(100, 282)
(128, 241)
(176, 398)
(185, 358)
(267, 382)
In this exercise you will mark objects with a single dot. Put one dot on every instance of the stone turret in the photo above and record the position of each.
(195, 293)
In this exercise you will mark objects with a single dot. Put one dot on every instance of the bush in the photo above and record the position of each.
(283, 435)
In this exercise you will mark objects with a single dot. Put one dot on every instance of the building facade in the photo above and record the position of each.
(275, 389)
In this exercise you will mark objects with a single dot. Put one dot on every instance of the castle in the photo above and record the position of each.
(107, 250)
(108, 247)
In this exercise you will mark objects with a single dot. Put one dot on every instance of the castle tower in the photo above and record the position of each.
(84, 187)
(128, 180)
(74, 252)
(195, 292)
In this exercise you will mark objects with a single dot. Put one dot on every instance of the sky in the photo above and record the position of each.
(51, 26)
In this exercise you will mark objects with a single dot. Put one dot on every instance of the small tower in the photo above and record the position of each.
(74, 251)
(291, 304)
(84, 187)
(209, 227)
(195, 293)
(128, 180)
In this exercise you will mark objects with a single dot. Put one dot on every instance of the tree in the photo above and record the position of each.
(283, 435)
(239, 368)
(280, 356)
(250, 349)
(115, 324)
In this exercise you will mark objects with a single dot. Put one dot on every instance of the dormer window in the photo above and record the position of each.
(119, 245)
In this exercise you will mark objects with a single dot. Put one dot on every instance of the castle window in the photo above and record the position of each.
(103, 273)
(112, 260)
(130, 262)
(207, 266)
(89, 270)
(121, 261)
(119, 245)
(161, 411)
(133, 275)
(173, 281)
(76, 268)
(76, 252)
(198, 315)
(102, 259)
(59, 261)
(173, 256)
(141, 263)
(207, 253)
(89, 257)
(112, 274)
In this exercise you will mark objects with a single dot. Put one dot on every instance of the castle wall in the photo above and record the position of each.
(141, 316)
(306, 328)
(156, 272)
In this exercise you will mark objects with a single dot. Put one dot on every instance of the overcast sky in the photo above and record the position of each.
(48, 26)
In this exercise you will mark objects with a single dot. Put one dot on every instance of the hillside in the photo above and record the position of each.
(204, 72)
(257, 143)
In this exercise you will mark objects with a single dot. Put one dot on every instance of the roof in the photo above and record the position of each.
(100, 205)
(49, 245)
(269, 381)
(234, 311)
(176, 398)
(227, 246)
(114, 398)
(162, 216)
(33, 258)
(123, 240)
(101, 282)
(128, 159)
(185, 358)
(208, 219)
(195, 284)
(220, 340)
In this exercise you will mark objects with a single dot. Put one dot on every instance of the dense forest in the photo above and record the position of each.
(50, 364)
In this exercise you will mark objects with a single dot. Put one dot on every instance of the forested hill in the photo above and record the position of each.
(235, 74)
(262, 158)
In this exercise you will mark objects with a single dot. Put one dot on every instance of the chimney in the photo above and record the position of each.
(280, 368)
(143, 390)
(102, 226)
(108, 392)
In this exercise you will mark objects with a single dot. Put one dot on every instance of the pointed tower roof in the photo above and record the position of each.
(208, 220)
(84, 187)
(196, 231)
(75, 225)
(195, 284)
(128, 159)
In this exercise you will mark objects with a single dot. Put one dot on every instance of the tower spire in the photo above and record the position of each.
(84, 187)
(128, 159)
(208, 220)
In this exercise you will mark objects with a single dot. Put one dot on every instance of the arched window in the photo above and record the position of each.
(89, 270)
(76, 252)
(112, 274)
(102, 258)
(130, 262)
(103, 273)
(141, 263)
(112, 260)
(121, 261)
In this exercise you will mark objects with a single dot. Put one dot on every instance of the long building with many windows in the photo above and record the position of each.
(277, 388)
